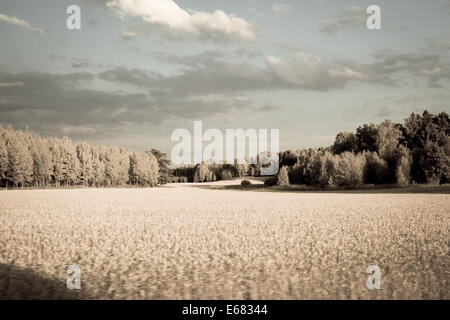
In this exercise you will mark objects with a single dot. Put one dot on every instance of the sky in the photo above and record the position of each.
(139, 69)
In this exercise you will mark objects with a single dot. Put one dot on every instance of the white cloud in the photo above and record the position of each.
(167, 14)
(312, 72)
(11, 84)
(346, 73)
(282, 7)
(19, 22)
(129, 34)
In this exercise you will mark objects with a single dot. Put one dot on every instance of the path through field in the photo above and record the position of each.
(186, 242)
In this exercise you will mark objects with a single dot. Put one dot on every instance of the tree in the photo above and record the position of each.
(427, 137)
(98, 167)
(240, 168)
(388, 138)
(349, 171)
(202, 173)
(226, 174)
(165, 173)
(69, 162)
(288, 158)
(143, 169)
(388, 141)
(376, 170)
(3, 158)
(20, 162)
(403, 167)
(323, 165)
(85, 155)
(42, 161)
(283, 177)
(26, 159)
(345, 141)
(367, 137)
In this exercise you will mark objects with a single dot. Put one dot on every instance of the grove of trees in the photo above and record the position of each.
(29, 160)
(208, 172)
(389, 153)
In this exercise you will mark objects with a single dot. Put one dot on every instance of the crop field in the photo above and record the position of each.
(186, 242)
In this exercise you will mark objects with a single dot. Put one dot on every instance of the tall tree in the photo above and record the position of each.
(427, 136)
(3, 158)
(388, 141)
(20, 162)
(85, 156)
(367, 137)
(345, 141)
(165, 173)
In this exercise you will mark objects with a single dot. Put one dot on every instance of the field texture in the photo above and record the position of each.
(185, 242)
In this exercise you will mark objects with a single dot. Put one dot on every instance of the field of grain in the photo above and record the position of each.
(185, 242)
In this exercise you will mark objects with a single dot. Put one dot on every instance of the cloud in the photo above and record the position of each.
(213, 72)
(212, 83)
(11, 84)
(167, 16)
(19, 22)
(129, 34)
(58, 104)
(281, 7)
(389, 68)
(314, 73)
(415, 65)
(351, 17)
(203, 74)
(60, 99)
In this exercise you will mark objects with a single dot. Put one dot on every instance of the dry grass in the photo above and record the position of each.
(182, 242)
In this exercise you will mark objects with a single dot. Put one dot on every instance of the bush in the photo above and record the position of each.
(376, 170)
(271, 181)
(246, 183)
(283, 177)
(349, 171)
(227, 175)
(180, 179)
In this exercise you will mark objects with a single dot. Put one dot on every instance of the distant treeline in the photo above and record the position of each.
(389, 153)
(208, 172)
(29, 160)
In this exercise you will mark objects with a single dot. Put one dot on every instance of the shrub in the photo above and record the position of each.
(403, 171)
(283, 177)
(202, 173)
(349, 171)
(376, 170)
(322, 168)
(271, 181)
(246, 183)
(227, 175)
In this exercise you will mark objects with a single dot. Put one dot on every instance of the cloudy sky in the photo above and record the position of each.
(139, 69)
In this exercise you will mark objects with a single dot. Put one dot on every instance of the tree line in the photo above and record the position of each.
(388, 153)
(209, 172)
(29, 160)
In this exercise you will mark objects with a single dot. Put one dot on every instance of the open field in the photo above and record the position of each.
(185, 242)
